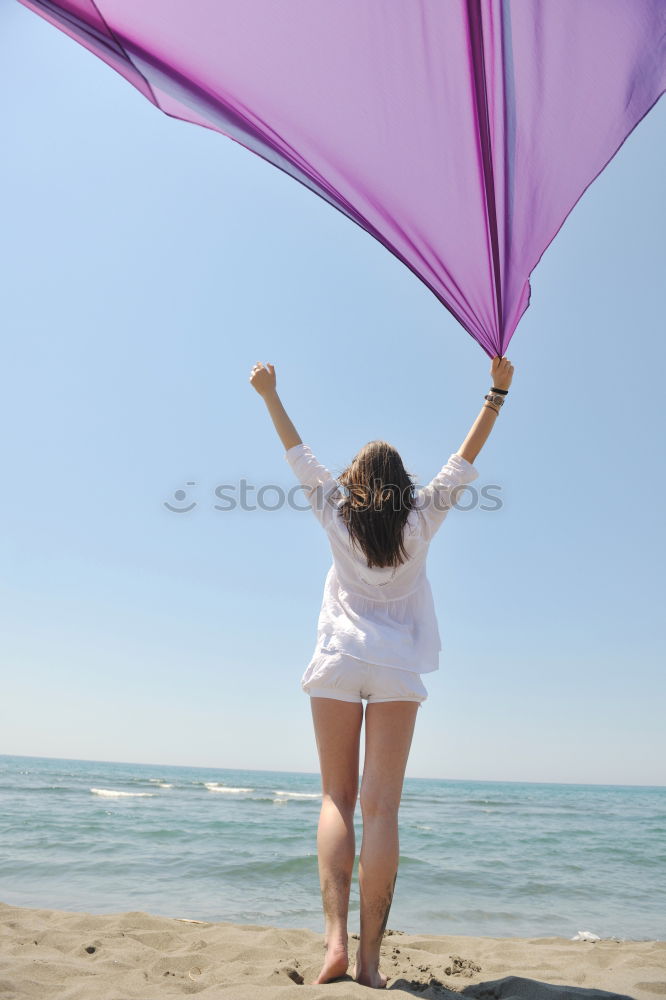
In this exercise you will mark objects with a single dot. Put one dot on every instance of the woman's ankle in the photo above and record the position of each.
(336, 940)
(366, 963)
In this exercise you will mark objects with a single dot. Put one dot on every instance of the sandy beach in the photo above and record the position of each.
(48, 954)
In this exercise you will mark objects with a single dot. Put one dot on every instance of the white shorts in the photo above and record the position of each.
(337, 675)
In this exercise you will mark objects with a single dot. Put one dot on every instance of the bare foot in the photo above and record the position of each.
(336, 964)
(373, 979)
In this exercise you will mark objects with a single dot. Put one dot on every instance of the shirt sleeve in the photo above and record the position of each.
(319, 485)
(436, 499)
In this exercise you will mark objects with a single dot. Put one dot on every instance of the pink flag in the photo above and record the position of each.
(458, 133)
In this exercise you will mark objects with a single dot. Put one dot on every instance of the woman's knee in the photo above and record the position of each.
(379, 803)
(343, 799)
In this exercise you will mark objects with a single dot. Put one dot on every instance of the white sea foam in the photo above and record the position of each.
(158, 781)
(297, 795)
(112, 793)
(215, 786)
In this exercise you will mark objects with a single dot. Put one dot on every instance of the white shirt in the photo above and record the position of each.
(383, 615)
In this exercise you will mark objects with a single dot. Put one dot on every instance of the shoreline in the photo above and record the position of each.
(45, 952)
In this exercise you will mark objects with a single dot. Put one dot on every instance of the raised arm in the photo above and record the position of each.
(263, 380)
(501, 370)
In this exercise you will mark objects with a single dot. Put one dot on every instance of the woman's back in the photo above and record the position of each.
(383, 615)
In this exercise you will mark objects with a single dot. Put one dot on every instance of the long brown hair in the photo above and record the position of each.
(379, 497)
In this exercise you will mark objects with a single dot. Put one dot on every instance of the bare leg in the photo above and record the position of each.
(389, 727)
(337, 730)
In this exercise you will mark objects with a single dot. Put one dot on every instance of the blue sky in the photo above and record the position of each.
(147, 265)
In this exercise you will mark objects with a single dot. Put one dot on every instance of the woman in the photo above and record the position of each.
(377, 633)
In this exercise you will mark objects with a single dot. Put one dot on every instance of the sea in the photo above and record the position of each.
(476, 857)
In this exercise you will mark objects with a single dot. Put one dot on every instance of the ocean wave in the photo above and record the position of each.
(296, 795)
(35, 788)
(257, 870)
(509, 803)
(215, 786)
(113, 793)
(160, 782)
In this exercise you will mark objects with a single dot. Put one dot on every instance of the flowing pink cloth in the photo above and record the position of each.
(458, 133)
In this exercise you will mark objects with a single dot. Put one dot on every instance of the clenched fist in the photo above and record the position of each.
(501, 370)
(263, 379)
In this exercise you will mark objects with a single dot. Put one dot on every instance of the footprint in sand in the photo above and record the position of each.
(290, 970)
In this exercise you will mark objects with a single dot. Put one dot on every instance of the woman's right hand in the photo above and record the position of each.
(501, 370)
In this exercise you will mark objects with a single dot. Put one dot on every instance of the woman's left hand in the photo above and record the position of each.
(263, 379)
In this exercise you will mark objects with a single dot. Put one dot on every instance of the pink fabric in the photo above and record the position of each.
(458, 133)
